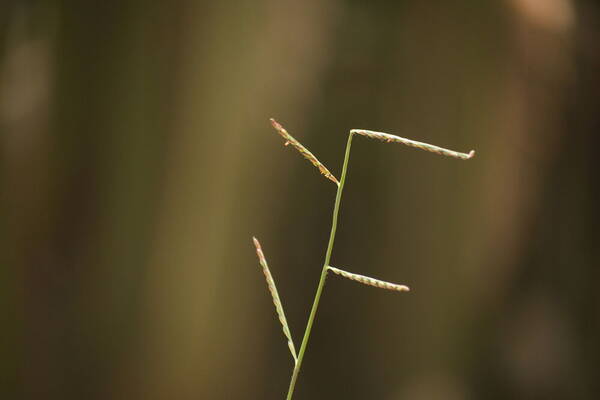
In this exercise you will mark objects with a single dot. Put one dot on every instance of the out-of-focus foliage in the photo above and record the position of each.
(138, 161)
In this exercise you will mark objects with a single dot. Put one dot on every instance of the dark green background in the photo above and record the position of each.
(138, 161)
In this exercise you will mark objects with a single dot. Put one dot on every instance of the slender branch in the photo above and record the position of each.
(367, 280)
(275, 296)
(315, 306)
(289, 139)
(386, 137)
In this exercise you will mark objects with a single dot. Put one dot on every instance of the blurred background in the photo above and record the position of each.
(138, 161)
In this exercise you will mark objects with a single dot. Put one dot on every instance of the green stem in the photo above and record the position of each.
(315, 306)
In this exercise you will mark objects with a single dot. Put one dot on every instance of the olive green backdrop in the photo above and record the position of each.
(138, 161)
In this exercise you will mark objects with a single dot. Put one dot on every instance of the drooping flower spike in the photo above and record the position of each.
(366, 280)
(386, 137)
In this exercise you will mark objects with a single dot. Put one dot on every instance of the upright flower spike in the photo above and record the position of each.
(276, 301)
(289, 139)
(386, 137)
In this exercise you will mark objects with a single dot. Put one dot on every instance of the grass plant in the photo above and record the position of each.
(289, 140)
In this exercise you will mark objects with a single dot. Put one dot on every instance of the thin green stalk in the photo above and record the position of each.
(315, 306)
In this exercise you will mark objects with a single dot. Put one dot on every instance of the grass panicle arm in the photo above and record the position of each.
(386, 137)
(289, 139)
(276, 300)
(366, 280)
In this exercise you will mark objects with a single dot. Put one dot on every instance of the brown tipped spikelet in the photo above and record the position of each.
(412, 143)
(365, 280)
(276, 301)
(289, 139)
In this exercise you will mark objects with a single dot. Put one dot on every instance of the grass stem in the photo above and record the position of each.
(315, 306)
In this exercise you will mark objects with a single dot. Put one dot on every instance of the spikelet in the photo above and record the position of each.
(412, 143)
(365, 280)
(276, 301)
(289, 139)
